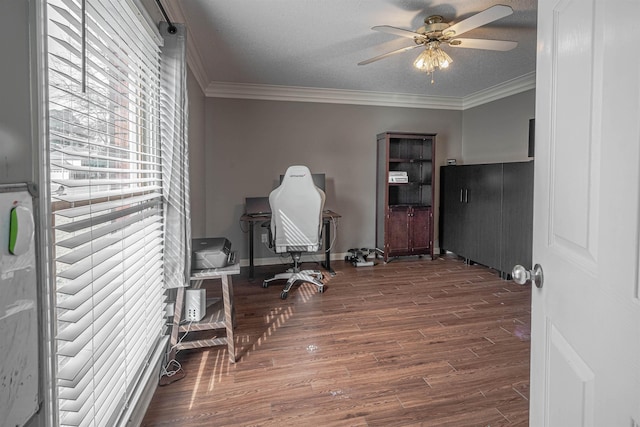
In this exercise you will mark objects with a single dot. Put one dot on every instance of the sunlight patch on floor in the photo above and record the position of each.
(203, 364)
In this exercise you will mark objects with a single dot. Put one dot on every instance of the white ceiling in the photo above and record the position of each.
(311, 48)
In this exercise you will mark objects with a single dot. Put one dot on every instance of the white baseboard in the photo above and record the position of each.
(286, 259)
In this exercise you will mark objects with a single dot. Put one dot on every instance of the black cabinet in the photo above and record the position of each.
(517, 215)
(486, 213)
(481, 206)
(404, 194)
(453, 230)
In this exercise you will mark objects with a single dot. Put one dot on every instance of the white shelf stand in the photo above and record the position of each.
(220, 313)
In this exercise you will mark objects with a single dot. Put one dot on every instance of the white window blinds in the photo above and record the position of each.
(106, 189)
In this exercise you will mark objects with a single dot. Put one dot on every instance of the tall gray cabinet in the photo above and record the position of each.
(486, 213)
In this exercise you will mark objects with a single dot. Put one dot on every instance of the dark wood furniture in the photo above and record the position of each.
(404, 210)
(486, 213)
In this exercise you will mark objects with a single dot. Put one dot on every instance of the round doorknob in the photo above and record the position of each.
(521, 275)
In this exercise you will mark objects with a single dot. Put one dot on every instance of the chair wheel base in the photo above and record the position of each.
(314, 277)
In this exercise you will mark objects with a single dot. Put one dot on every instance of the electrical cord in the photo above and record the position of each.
(169, 373)
(242, 229)
(183, 336)
(334, 224)
(177, 367)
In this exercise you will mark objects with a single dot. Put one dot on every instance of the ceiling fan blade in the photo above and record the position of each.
(384, 55)
(398, 32)
(502, 45)
(488, 15)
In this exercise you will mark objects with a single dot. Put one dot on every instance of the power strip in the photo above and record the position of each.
(358, 257)
(363, 263)
(195, 304)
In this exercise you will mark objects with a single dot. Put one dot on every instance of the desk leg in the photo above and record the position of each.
(250, 249)
(327, 246)
(229, 315)
(177, 316)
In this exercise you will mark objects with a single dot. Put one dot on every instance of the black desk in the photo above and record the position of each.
(327, 218)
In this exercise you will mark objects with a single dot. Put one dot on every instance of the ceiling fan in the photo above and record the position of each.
(435, 32)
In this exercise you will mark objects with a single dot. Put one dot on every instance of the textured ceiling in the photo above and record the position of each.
(317, 44)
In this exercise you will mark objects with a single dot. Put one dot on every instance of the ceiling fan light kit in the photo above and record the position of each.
(434, 32)
(432, 58)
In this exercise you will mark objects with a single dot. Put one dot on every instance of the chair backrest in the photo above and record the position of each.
(296, 212)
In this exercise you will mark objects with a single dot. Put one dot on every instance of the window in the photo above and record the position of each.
(106, 203)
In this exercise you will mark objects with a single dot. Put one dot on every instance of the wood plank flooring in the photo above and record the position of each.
(414, 342)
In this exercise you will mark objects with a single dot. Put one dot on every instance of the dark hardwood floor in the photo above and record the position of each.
(413, 342)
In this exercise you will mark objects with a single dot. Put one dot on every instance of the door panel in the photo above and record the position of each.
(517, 215)
(398, 231)
(469, 212)
(585, 341)
(483, 205)
(574, 145)
(570, 381)
(451, 224)
(420, 224)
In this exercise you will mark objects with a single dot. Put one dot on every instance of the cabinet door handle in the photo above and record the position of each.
(466, 196)
(461, 200)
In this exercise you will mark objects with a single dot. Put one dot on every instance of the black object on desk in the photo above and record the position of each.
(327, 217)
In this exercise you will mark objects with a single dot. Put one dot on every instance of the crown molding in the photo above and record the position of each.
(329, 96)
(508, 88)
(194, 58)
(215, 89)
(384, 99)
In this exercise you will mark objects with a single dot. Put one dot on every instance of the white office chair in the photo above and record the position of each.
(296, 225)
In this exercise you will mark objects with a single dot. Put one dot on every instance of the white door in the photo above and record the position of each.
(585, 361)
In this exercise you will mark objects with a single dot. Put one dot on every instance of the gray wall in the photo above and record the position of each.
(16, 142)
(249, 143)
(498, 131)
(196, 156)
